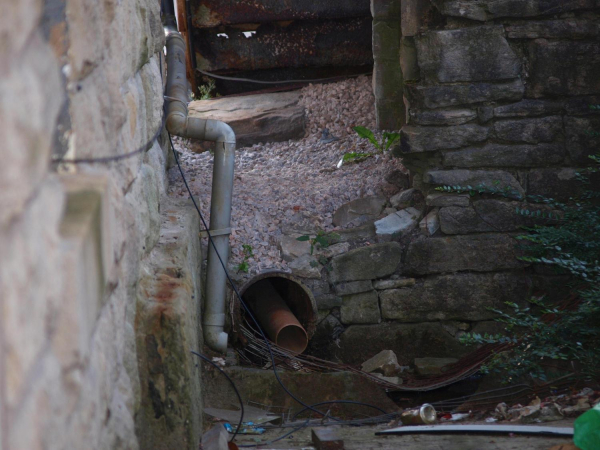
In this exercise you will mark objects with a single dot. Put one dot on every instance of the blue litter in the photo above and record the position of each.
(247, 428)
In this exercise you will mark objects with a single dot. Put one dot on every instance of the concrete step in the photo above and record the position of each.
(273, 117)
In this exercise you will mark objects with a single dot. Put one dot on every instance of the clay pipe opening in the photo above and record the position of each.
(276, 318)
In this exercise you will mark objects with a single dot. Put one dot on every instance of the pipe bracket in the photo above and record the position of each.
(221, 232)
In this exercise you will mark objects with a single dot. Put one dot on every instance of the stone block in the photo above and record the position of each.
(430, 223)
(414, 14)
(306, 266)
(500, 155)
(400, 222)
(432, 366)
(528, 108)
(87, 248)
(357, 234)
(327, 439)
(360, 308)
(359, 211)
(407, 340)
(333, 250)
(559, 184)
(444, 96)
(488, 178)
(459, 296)
(383, 360)
(553, 29)
(484, 10)
(443, 199)
(353, 287)
(386, 42)
(366, 263)
(582, 138)
(582, 106)
(291, 248)
(393, 284)
(326, 302)
(442, 117)
(408, 59)
(485, 113)
(415, 139)
(385, 9)
(477, 54)
(387, 81)
(487, 215)
(403, 199)
(479, 253)
(167, 316)
(531, 131)
(575, 75)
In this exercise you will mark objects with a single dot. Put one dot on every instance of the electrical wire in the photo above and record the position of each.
(248, 80)
(107, 159)
(246, 308)
(239, 427)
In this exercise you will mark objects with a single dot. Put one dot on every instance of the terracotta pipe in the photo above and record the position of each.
(276, 319)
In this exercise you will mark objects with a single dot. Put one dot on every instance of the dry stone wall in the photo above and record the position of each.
(79, 79)
(496, 96)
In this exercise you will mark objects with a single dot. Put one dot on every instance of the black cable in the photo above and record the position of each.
(351, 402)
(106, 159)
(248, 80)
(246, 308)
(239, 427)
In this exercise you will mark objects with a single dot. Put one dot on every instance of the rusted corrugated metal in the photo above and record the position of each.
(300, 44)
(212, 13)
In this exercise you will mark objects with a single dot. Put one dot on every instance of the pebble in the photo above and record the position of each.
(275, 181)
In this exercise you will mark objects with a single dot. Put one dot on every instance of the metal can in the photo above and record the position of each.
(424, 415)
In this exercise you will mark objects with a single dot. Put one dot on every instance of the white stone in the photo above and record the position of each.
(430, 223)
(399, 222)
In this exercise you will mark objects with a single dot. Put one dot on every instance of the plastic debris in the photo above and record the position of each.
(247, 428)
(587, 430)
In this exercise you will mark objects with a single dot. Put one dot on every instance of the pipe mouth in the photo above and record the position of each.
(292, 338)
(292, 312)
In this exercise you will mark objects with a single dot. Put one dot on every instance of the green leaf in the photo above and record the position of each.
(367, 134)
(303, 238)
(389, 139)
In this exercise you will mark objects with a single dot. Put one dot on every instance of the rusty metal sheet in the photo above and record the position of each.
(300, 44)
(212, 13)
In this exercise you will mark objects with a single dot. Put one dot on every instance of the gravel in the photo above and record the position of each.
(279, 185)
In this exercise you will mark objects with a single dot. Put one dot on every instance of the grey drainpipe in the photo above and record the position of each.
(179, 124)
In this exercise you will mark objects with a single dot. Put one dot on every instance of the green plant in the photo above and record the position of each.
(388, 139)
(506, 191)
(247, 254)
(384, 145)
(322, 239)
(207, 91)
(543, 331)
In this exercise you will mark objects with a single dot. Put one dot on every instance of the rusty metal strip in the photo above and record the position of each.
(300, 44)
(213, 13)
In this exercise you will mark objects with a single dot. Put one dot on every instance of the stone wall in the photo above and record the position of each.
(79, 79)
(497, 96)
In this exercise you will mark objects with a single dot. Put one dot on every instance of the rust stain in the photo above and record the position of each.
(58, 39)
